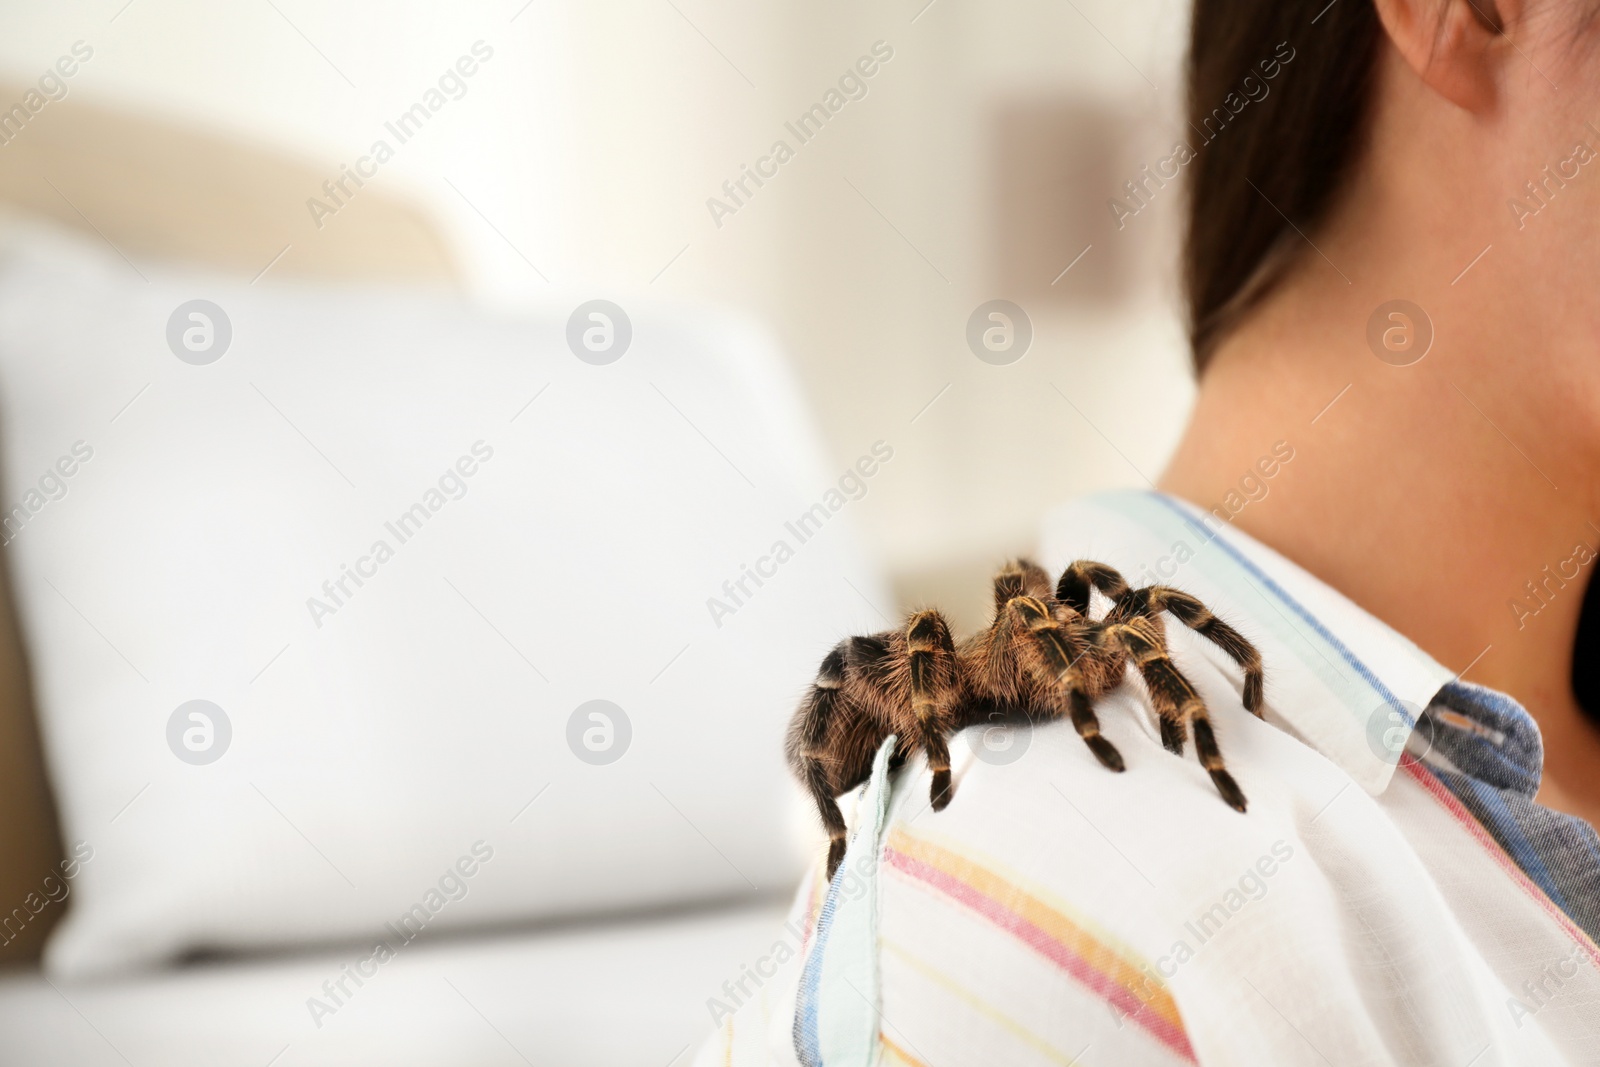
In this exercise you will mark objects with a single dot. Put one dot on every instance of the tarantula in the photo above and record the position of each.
(1042, 658)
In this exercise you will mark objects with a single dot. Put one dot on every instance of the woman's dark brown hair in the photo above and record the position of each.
(1268, 152)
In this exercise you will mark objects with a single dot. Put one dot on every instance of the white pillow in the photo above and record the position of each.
(567, 526)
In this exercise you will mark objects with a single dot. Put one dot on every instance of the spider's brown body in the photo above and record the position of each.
(1043, 657)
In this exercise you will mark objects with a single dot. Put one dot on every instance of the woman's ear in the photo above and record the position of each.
(1457, 47)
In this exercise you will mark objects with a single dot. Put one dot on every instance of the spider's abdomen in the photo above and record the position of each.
(1102, 668)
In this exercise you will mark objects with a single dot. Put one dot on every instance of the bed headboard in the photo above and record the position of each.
(164, 191)
(169, 191)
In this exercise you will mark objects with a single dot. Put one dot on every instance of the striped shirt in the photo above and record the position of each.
(1393, 895)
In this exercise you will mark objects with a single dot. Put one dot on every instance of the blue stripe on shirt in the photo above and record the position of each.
(807, 1044)
(1211, 537)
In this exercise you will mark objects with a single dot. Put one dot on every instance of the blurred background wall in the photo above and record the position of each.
(579, 160)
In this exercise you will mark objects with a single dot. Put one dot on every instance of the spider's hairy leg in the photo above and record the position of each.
(1175, 699)
(931, 656)
(1076, 580)
(1197, 617)
(1020, 577)
(1036, 625)
(807, 748)
(1173, 734)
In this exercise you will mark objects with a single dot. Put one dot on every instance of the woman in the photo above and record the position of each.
(1389, 486)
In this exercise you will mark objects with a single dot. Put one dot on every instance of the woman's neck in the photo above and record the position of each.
(1443, 497)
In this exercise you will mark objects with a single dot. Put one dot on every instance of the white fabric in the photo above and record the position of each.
(1056, 912)
(622, 994)
(569, 549)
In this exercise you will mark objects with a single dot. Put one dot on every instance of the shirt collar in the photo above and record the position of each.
(1349, 685)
